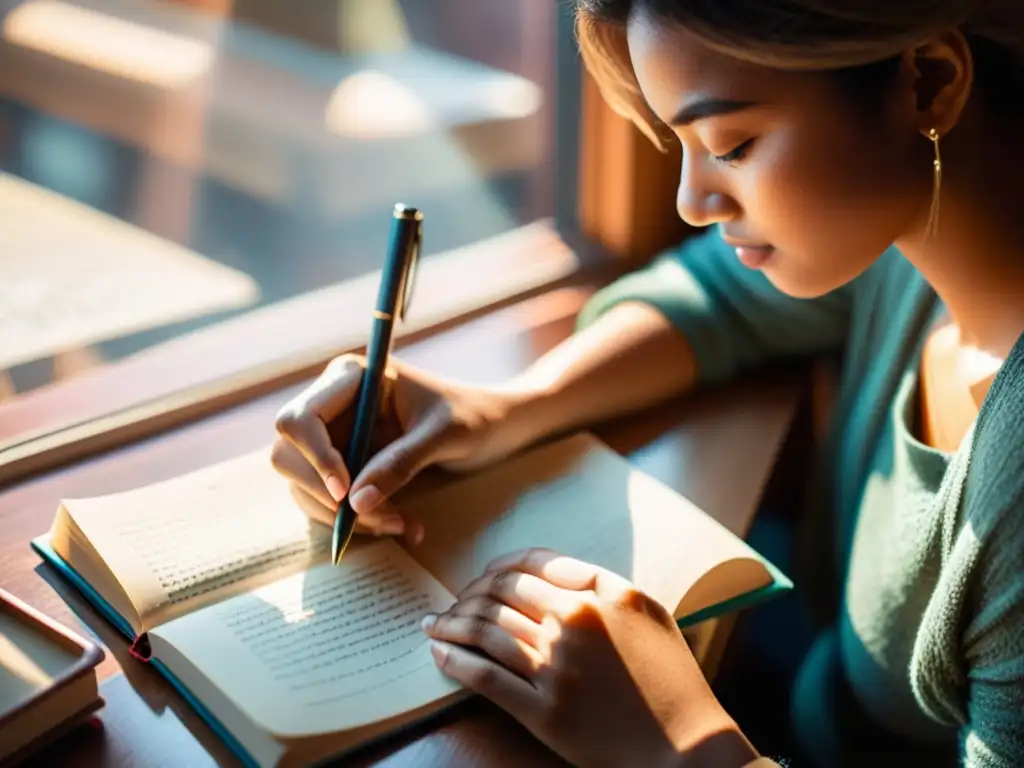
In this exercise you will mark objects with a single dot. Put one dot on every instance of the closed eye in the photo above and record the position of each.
(736, 154)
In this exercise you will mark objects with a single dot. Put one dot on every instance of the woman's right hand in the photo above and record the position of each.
(425, 420)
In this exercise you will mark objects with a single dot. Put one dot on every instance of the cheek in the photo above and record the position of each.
(829, 201)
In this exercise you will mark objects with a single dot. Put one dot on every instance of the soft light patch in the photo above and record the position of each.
(107, 44)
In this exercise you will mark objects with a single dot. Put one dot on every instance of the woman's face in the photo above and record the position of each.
(784, 160)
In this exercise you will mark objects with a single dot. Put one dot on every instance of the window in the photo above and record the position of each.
(195, 191)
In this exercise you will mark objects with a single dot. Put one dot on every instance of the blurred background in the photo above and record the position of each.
(164, 165)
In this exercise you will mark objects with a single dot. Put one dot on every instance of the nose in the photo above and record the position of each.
(697, 202)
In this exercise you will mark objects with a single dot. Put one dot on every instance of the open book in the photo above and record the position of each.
(227, 587)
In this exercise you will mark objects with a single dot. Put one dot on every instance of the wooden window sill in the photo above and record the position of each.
(241, 358)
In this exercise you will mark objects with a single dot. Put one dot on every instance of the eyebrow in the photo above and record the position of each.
(704, 108)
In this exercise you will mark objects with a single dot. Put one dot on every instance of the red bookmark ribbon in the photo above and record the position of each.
(140, 648)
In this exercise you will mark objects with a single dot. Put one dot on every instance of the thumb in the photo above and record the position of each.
(397, 463)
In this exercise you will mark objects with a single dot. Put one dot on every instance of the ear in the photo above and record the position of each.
(942, 75)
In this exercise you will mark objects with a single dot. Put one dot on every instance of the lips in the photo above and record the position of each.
(752, 255)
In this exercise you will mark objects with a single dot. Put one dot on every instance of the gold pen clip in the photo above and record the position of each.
(410, 275)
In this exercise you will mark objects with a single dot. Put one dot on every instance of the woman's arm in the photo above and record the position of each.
(694, 314)
(629, 359)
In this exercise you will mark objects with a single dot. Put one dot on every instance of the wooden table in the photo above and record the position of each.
(719, 449)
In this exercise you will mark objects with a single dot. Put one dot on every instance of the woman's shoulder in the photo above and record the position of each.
(968, 664)
(984, 536)
(995, 474)
(982, 528)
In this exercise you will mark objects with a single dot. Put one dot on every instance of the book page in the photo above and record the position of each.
(326, 650)
(71, 276)
(184, 543)
(582, 499)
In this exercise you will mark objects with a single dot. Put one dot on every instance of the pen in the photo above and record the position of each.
(396, 285)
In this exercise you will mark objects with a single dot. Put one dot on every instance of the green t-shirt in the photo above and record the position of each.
(929, 546)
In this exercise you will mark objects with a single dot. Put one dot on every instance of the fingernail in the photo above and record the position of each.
(439, 652)
(428, 622)
(365, 499)
(335, 487)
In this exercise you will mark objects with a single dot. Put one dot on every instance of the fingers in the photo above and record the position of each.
(531, 596)
(564, 572)
(325, 515)
(512, 621)
(397, 463)
(490, 637)
(578, 578)
(488, 678)
(303, 425)
(313, 507)
(303, 421)
(287, 460)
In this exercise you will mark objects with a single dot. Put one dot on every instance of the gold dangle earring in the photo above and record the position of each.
(932, 227)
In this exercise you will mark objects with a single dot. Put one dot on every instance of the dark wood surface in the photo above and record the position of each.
(718, 448)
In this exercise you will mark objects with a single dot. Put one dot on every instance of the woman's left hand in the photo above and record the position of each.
(594, 668)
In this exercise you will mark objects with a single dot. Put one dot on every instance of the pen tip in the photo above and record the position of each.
(343, 525)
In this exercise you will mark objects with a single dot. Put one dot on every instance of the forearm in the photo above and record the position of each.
(630, 359)
(705, 736)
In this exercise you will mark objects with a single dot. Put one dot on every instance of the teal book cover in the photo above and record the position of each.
(779, 585)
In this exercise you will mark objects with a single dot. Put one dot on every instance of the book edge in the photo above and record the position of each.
(42, 547)
(779, 584)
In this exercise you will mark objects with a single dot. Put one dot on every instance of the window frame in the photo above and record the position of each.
(627, 186)
(614, 209)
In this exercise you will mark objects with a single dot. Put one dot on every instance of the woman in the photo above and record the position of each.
(859, 165)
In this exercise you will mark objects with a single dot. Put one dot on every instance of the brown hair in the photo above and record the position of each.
(846, 36)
